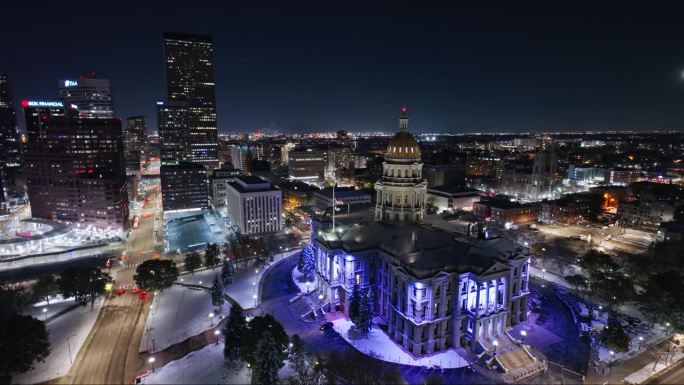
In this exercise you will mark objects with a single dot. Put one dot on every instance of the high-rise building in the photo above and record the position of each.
(75, 170)
(190, 79)
(184, 186)
(91, 94)
(134, 140)
(173, 128)
(37, 113)
(219, 180)
(254, 205)
(10, 146)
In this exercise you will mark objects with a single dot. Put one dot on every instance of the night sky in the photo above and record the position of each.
(326, 65)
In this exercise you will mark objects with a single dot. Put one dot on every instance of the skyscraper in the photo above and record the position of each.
(91, 94)
(75, 168)
(172, 119)
(134, 139)
(10, 147)
(190, 79)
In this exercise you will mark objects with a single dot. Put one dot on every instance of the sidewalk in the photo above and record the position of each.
(603, 374)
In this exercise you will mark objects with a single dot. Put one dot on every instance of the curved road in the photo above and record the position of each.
(278, 288)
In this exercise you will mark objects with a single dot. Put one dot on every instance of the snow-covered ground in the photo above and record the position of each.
(42, 311)
(204, 366)
(297, 278)
(385, 349)
(644, 374)
(66, 332)
(550, 277)
(180, 312)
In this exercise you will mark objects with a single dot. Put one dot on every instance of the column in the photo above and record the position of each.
(487, 296)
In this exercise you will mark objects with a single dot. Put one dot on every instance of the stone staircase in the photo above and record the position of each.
(516, 362)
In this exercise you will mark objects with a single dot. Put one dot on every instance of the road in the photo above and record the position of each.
(674, 376)
(110, 353)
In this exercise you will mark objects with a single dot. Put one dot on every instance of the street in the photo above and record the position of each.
(674, 376)
(110, 354)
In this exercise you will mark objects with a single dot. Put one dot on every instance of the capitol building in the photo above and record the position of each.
(435, 289)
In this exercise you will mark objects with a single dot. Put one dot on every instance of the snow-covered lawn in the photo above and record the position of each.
(298, 279)
(180, 312)
(550, 277)
(385, 349)
(204, 366)
(68, 331)
(41, 310)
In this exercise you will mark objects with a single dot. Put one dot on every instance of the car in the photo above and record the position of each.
(135, 289)
(326, 326)
(120, 291)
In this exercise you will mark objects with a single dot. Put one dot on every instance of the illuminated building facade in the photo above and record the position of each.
(433, 291)
(75, 168)
(172, 121)
(10, 146)
(254, 205)
(184, 186)
(190, 79)
(134, 142)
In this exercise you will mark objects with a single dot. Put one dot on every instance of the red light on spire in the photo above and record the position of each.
(24, 103)
(403, 109)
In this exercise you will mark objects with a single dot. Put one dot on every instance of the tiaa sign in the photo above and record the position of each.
(70, 83)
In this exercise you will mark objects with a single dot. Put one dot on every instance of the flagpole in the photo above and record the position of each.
(334, 201)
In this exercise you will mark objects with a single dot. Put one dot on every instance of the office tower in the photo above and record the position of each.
(254, 205)
(134, 140)
(37, 113)
(190, 79)
(75, 170)
(307, 164)
(219, 186)
(10, 146)
(172, 121)
(184, 186)
(91, 94)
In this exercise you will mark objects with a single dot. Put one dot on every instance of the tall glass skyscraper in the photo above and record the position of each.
(10, 146)
(190, 79)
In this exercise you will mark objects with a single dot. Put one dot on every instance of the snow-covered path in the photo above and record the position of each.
(67, 334)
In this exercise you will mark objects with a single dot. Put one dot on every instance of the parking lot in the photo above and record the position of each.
(189, 233)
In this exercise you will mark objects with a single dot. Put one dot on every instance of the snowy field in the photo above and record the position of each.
(180, 312)
(301, 284)
(75, 326)
(204, 366)
(42, 310)
(385, 349)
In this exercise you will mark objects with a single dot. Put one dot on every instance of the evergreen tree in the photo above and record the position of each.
(211, 255)
(192, 262)
(255, 330)
(354, 301)
(297, 358)
(308, 261)
(217, 293)
(265, 369)
(226, 273)
(233, 334)
(364, 319)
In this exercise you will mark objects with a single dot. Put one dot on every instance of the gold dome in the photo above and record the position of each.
(403, 146)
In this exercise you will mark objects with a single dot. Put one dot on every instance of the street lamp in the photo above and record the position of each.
(523, 334)
(307, 287)
(255, 299)
(495, 343)
(320, 297)
(44, 314)
(211, 317)
(612, 356)
(641, 340)
(217, 333)
(151, 360)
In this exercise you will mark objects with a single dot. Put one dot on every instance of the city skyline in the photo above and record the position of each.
(304, 69)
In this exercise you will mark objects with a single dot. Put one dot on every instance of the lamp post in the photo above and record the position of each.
(523, 334)
(217, 333)
(255, 299)
(44, 314)
(211, 317)
(495, 343)
(641, 340)
(151, 361)
(612, 357)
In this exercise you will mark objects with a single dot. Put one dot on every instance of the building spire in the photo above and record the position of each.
(403, 119)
